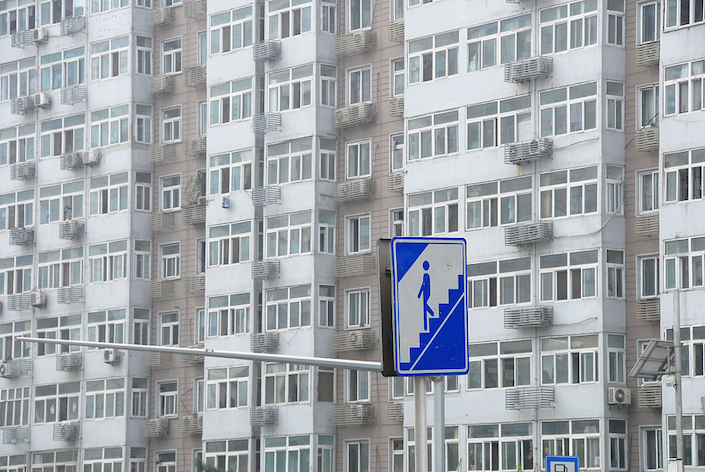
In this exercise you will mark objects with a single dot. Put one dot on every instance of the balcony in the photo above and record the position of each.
(73, 95)
(354, 43)
(71, 161)
(156, 427)
(528, 233)
(265, 270)
(265, 51)
(649, 396)
(72, 230)
(528, 151)
(18, 302)
(72, 25)
(194, 284)
(263, 415)
(161, 15)
(396, 31)
(69, 362)
(22, 236)
(161, 289)
(647, 138)
(264, 342)
(195, 76)
(192, 424)
(648, 54)
(161, 84)
(162, 152)
(267, 122)
(263, 196)
(354, 340)
(529, 69)
(195, 146)
(22, 105)
(647, 224)
(22, 170)
(160, 221)
(395, 182)
(15, 435)
(354, 265)
(69, 295)
(529, 398)
(648, 310)
(67, 431)
(355, 115)
(528, 317)
(194, 9)
(13, 368)
(358, 189)
(395, 412)
(396, 107)
(194, 214)
(353, 414)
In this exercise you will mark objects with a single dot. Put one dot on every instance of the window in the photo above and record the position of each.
(231, 30)
(62, 135)
(396, 454)
(433, 135)
(647, 191)
(326, 231)
(172, 3)
(105, 399)
(563, 278)
(293, 450)
(503, 122)
(110, 126)
(289, 234)
(227, 455)
(171, 56)
(171, 192)
(288, 18)
(498, 203)
(681, 82)
(290, 89)
(433, 57)
(229, 244)
(52, 461)
(166, 461)
(684, 175)
(683, 263)
(202, 117)
(327, 163)
(396, 222)
(357, 386)
(99, 459)
(285, 383)
(228, 315)
(397, 13)
(170, 256)
(16, 209)
(358, 456)
(513, 285)
(325, 453)
(329, 19)
(329, 76)
(577, 103)
(569, 360)
(615, 180)
(683, 12)
(143, 123)
(227, 387)
(615, 274)
(652, 448)
(10, 346)
(648, 267)
(109, 58)
(511, 38)
(360, 14)
(17, 144)
(649, 22)
(139, 397)
(66, 327)
(171, 125)
(140, 326)
(56, 402)
(144, 55)
(107, 326)
(60, 268)
(326, 301)
(14, 403)
(289, 162)
(358, 308)
(508, 367)
(615, 106)
(231, 172)
(358, 159)
(231, 101)
(15, 275)
(693, 439)
(566, 193)
(168, 394)
(516, 441)
(693, 350)
(107, 261)
(615, 358)
(98, 6)
(14, 19)
(578, 438)
(396, 68)
(433, 213)
(143, 191)
(288, 307)
(143, 256)
(108, 194)
(63, 69)
(358, 233)
(647, 106)
(61, 202)
(559, 32)
(359, 85)
(615, 22)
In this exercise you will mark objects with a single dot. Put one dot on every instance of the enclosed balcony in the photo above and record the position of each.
(528, 233)
(353, 414)
(528, 69)
(69, 295)
(267, 122)
(357, 189)
(191, 424)
(528, 317)
(648, 54)
(355, 115)
(265, 51)
(354, 265)
(71, 230)
(161, 15)
(647, 138)
(22, 170)
(72, 25)
(161, 84)
(354, 43)
(67, 431)
(69, 362)
(354, 340)
(264, 342)
(263, 415)
(529, 398)
(22, 236)
(263, 196)
(156, 427)
(528, 151)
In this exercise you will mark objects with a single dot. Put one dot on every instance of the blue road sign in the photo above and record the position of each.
(430, 306)
(562, 464)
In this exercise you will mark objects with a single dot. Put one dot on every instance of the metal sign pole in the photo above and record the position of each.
(420, 424)
(439, 425)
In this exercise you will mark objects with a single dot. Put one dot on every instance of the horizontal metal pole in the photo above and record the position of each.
(247, 356)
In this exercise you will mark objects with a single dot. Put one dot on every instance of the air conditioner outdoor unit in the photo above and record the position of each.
(111, 356)
(91, 157)
(4, 370)
(619, 396)
(36, 299)
(42, 100)
(39, 35)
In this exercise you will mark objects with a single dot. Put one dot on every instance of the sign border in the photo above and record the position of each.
(551, 459)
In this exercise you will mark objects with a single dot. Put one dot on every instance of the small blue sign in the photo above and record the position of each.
(562, 464)
(430, 306)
